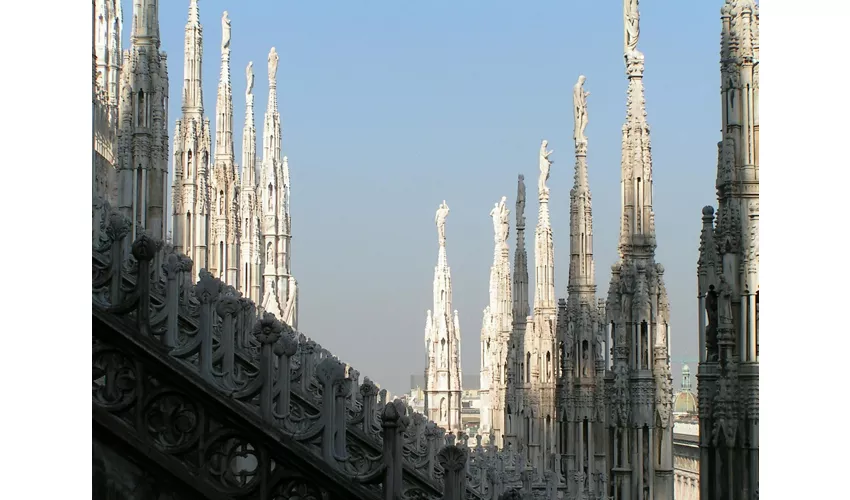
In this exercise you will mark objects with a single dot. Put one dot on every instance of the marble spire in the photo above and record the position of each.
(637, 308)
(544, 256)
(581, 323)
(224, 258)
(581, 275)
(142, 157)
(191, 184)
(728, 273)
(496, 325)
(193, 54)
(250, 254)
(442, 341)
(224, 102)
(520, 284)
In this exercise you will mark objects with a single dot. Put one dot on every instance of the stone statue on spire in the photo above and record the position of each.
(580, 110)
(631, 19)
(225, 32)
(500, 220)
(545, 166)
(520, 198)
(440, 220)
(273, 58)
(249, 72)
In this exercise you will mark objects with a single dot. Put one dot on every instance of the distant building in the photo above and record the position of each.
(470, 403)
(686, 441)
(685, 403)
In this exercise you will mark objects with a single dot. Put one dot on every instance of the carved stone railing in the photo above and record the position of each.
(287, 380)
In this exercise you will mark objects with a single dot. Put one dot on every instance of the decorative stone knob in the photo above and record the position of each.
(228, 304)
(287, 346)
(368, 389)
(267, 329)
(144, 248)
(208, 288)
(186, 263)
(118, 226)
(330, 371)
(390, 416)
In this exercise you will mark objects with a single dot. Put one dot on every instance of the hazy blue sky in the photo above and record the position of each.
(390, 107)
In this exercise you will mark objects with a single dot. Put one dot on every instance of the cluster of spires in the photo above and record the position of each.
(558, 374)
(238, 227)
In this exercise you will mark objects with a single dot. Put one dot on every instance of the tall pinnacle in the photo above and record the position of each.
(145, 29)
(637, 229)
(520, 291)
(224, 105)
(272, 131)
(544, 258)
(193, 54)
(442, 340)
(249, 134)
(440, 221)
(581, 215)
(500, 272)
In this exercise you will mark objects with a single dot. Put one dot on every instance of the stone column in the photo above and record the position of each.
(752, 328)
(391, 425)
(453, 461)
(640, 451)
(701, 316)
(742, 332)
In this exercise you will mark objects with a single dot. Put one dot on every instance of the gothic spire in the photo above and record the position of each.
(520, 291)
(224, 103)
(637, 228)
(272, 129)
(442, 340)
(249, 135)
(193, 52)
(581, 275)
(145, 23)
(544, 258)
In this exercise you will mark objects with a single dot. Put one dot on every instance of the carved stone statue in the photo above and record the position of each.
(545, 166)
(440, 220)
(249, 72)
(580, 110)
(600, 350)
(273, 58)
(724, 304)
(520, 198)
(225, 32)
(711, 328)
(631, 19)
(728, 151)
(500, 220)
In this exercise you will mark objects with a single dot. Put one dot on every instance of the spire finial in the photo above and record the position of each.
(440, 220)
(273, 59)
(631, 21)
(225, 33)
(194, 14)
(545, 167)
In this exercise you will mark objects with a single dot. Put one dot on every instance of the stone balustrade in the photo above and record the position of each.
(294, 384)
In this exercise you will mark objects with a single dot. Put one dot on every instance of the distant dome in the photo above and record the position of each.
(686, 402)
